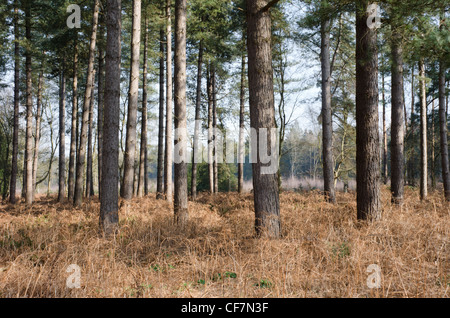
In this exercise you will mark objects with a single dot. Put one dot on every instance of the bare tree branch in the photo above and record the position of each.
(269, 5)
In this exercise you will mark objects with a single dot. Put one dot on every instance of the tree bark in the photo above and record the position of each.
(262, 115)
(198, 100)
(180, 191)
(210, 130)
(423, 133)
(214, 113)
(62, 138)
(433, 143)
(160, 173)
(28, 185)
(133, 95)
(109, 200)
(397, 119)
(78, 194)
(327, 121)
(37, 137)
(15, 151)
(89, 191)
(168, 158)
(101, 105)
(385, 143)
(367, 135)
(443, 132)
(241, 128)
(143, 151)
(411, 172)
(74, 126)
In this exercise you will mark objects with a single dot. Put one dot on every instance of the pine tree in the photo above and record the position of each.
(109, 200)
(367, 136)
(130, 145)
(262, 114)
(81, 156)
(180, 189)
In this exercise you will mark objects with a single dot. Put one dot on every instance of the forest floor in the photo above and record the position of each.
(324, 251)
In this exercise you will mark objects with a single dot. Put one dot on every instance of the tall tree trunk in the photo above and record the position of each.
(411, 172)
(196, 147)
(168, 158)
(143, 152)
(74, 126)
(367, 135)
(101, 105)
(262, 115)
(443, 104)
(15, 151)
(78, 195)
(385, 143)
(160, 173)
(109, 200)
(397, 118)
(423, 133)
(443, 132)
(89, 191)
(52, 153)
(210, 130)
(433, 143)
(6, 176)
(37, 137)
(214, 113)
(241, 128)
(327, 121)
(181, 187)
(133, 95)
(62, 138)
(28, 185)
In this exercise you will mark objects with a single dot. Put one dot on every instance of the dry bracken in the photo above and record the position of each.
(324, 251)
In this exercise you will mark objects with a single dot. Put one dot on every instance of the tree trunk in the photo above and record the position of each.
(241, 128)
(109, 200)
(411, 172)
(180, 193)
(37, 137)
(397, 119)
(143, 153)
(168, 158)
(78, 195)
(262, 115)
(6, 176)
(433, 143)
(133, 95)
(443, 132)
(15, 151)
(101, 105)
(385, 143)
(160, 173)
(210, 131)
(89, 191)
(327, 120)
(73, 130)
(214, 113)
(62, 138)
(28, 185)
(367, 135)
(53, 151)
(423, 133)
(196, 147)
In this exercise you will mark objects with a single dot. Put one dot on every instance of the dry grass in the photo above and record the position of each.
(324, 251)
